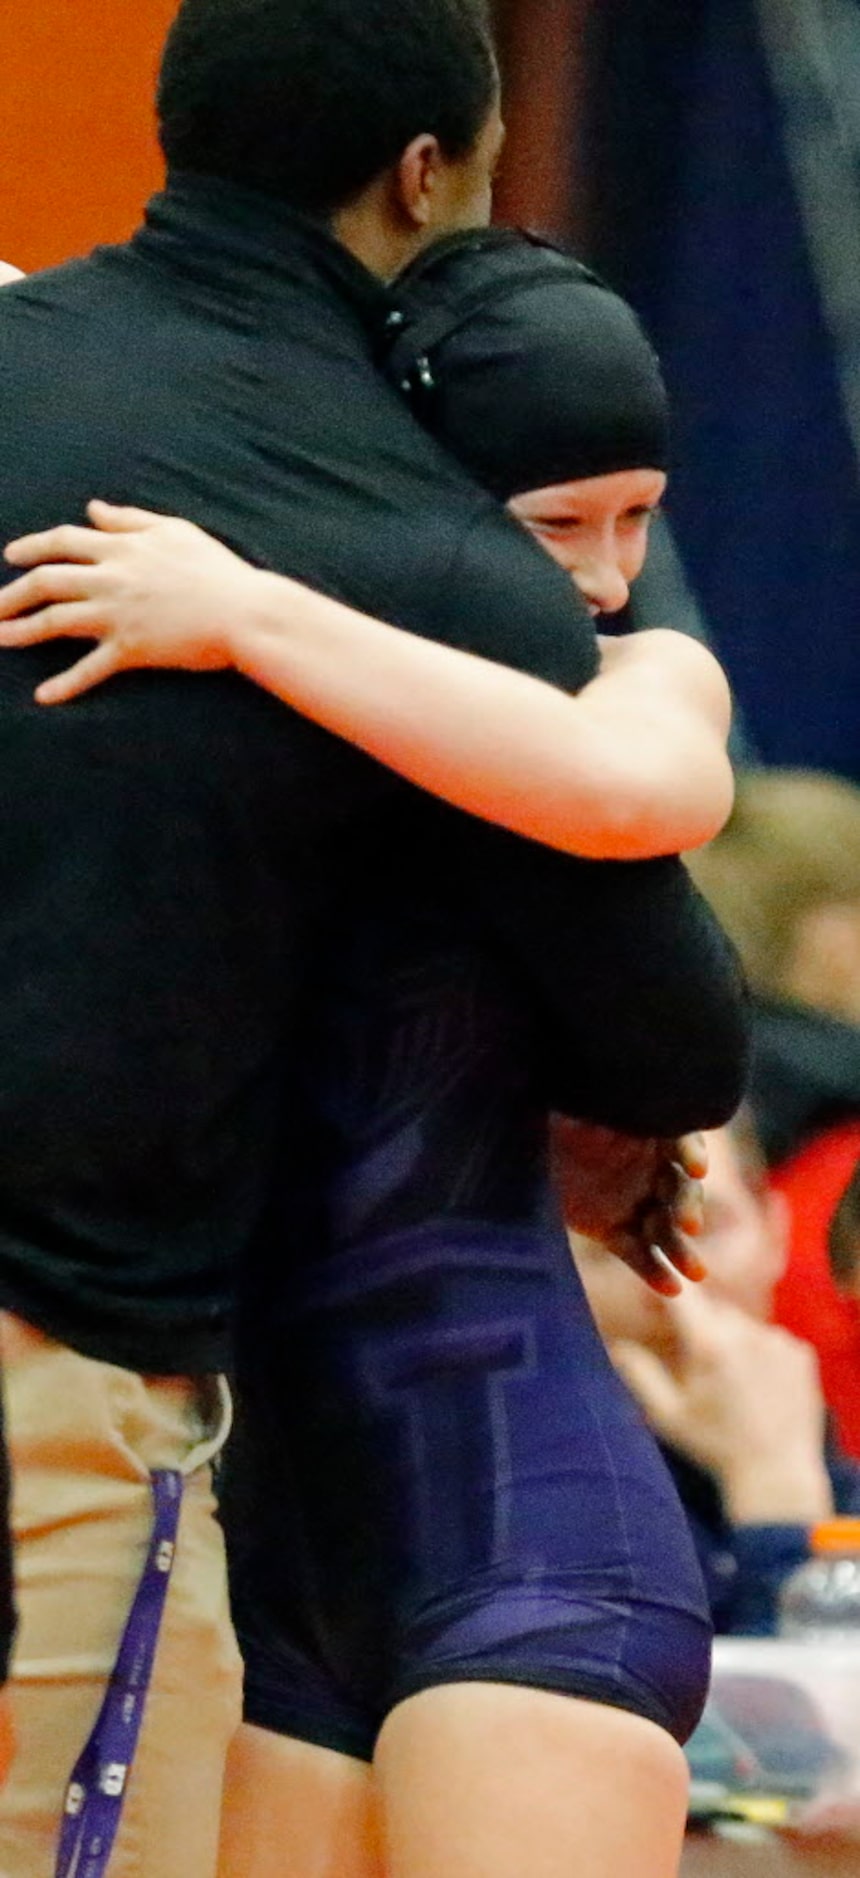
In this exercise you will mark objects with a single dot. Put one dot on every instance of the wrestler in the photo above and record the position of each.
(430, 1620)
(474, 1554)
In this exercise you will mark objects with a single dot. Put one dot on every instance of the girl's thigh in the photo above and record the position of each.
(296, 1811)
(480, 1780)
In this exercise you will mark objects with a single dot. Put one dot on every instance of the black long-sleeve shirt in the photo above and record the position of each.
(172, 842)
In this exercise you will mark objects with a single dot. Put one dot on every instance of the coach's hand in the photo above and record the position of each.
(642, 1199)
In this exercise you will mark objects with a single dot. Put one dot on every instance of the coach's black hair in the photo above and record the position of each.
(310, 100)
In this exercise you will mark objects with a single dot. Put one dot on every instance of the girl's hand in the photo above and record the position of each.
(153, 590)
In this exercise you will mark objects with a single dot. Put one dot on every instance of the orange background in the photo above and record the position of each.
(78, 151)
(79, 154)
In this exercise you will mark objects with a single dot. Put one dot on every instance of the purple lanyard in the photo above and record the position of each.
(96, 1791)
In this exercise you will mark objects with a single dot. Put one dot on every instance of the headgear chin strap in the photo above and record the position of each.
(524, 364)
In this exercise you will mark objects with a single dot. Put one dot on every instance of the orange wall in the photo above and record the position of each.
(78, 154)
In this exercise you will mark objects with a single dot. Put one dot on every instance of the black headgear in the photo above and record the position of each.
(525, 365)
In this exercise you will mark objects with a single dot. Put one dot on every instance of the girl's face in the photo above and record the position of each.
(596, 529)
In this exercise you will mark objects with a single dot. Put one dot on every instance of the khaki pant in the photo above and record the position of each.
(83, 1437)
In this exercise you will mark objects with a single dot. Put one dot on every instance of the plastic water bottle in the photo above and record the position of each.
(820, 1602)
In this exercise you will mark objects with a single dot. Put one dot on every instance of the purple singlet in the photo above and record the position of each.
(439, 1475)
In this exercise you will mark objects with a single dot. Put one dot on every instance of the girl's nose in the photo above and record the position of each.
(603, 585)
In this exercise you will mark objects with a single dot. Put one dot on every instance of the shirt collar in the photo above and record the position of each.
(240, 237)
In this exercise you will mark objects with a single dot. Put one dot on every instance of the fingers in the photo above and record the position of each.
(691, 1154)
(648, 1261)
(679, 1198)
(678, 1190)
(681, 1255)
(82, 621)
(690, 1209)
(670, 1218)
(70, 543)
(122, 521)
(66, 543)
(45, 591)
(661, 1224)
(103, 663)
(661, 1272)
(676, 1257)
(685, 1206)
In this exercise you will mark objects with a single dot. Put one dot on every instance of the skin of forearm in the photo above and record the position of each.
(678, 667)
(600, 775)
(665, 754)
(677, 703)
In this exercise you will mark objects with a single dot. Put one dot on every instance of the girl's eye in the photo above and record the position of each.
(644, 513)
(557, 525)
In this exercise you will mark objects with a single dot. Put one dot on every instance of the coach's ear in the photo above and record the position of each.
(418, 180)
(9, 273)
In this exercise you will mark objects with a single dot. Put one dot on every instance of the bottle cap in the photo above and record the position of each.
(836, 1535)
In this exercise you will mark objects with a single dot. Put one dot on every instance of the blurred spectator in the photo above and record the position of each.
(786, 874)
(785, 880)
(735, 1401)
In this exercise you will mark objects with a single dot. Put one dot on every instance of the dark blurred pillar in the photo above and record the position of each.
(541, 43)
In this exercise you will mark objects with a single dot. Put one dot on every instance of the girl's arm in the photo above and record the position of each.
(633, 766)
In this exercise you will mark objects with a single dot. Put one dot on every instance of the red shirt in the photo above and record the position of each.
(807, 1301)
